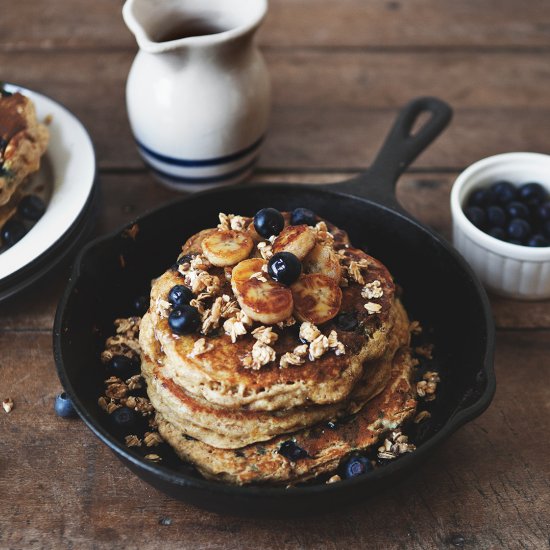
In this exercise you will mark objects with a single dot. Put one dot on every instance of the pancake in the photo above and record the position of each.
(22, 142)
(219, 376)
(325, 446)
(234, 428)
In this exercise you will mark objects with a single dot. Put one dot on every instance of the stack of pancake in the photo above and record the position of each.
(247, 417)
(23, 141)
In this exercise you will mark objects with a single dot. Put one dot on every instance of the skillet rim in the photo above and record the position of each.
(460, 417)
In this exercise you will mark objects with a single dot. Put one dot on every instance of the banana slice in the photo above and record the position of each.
(267, 302)
(317, 298)
(226, 247)
(323, 259)
(193, 245)
(298, 239)
(245, 269)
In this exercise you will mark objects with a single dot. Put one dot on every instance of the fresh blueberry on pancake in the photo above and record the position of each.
(64, 406)
(31, 208)
(303, 216)
(184, 320)
(268, 222)
(289, 449)
(180, 295)
(357, 466)
(284, 268)
(347, 321)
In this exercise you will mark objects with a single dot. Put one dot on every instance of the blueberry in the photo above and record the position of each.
(31, 208)
(289, 449)
(347, 321)
(538, 241)
(125, 419)
(140, 305)
(357, 466)
(543, 211)
(303, 216)
(123, 366)
(184, 320)
(518, 229)
(517, 209)
(532, 193)
(496, 216)
(476, 215)
(64, 406)
(268, 222)
(12, 232)
(479, 197)
(180, 295)
(284, 267)
(186, 259)
(497, 233)
(502, 192)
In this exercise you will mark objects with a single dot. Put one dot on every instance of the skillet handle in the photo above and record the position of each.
(399, 150)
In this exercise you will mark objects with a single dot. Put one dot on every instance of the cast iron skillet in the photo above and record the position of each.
(439, 289)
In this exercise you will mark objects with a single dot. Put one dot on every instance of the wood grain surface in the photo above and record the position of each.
(340, 71)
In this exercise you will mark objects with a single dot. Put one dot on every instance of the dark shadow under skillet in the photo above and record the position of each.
(440, 290)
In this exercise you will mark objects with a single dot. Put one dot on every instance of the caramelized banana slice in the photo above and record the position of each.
(244, 270)
(323, 259)
(193, 245)
(298, 239)
(317, 298)
(267, 302)
(226, 247)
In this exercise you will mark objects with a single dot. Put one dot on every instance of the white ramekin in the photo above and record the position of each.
(507, 269)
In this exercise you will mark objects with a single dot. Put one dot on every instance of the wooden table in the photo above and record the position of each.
(340, 70)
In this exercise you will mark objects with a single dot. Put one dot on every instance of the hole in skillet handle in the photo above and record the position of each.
(416, 126)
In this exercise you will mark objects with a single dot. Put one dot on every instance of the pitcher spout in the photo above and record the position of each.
(164, 25)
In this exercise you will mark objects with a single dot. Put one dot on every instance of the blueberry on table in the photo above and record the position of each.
(63, 406)
(357, 466)
(184, 320)
(537, 241)
(532, 193)
(516, 209)
(479, 197)
(497, 233)
(476, 215)
(303, 216)
(125, 419)
(12, 232)
(284, 267)
(268, 222)
(502, 192)
(122, 366)
(518, 229)
(496, 217)
(31, 208)
(180, 295)
(347, 321)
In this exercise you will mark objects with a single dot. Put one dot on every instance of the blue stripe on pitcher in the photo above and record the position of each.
(203, 162)
(211, 179)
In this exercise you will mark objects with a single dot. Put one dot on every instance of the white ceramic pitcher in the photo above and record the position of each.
(198, 92)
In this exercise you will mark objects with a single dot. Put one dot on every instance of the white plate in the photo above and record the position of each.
(71, 156)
